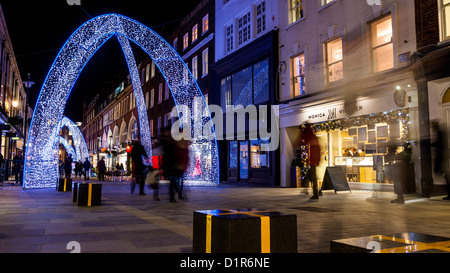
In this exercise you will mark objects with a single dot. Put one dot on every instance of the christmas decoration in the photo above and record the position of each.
(79, 143)
(401, 115)
(41, 159)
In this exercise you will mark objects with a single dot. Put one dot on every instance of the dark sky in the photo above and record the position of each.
(39, 28)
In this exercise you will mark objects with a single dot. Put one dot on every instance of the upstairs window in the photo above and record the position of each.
(261, 17)
(296, 11)
(205, 62)
(195, 67)
(229, 38)
(382, 45)
(205, 23)
(334, 60)
(195, 33)
(445, 14)
(298, 72)
(185, 41)
(244, 28)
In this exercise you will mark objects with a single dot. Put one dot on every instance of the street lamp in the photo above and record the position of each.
(27, 85)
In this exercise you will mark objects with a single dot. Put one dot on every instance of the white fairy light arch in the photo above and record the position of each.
(41, 168)
(79, 143)
(69, 148)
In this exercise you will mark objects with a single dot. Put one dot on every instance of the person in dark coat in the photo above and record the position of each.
(138, 155)
(310, 139)
(68, 166)
(17, 166)
(101, 166)
(87, 166)
(440, 158)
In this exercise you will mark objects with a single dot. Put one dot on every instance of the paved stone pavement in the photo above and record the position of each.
(45, 221)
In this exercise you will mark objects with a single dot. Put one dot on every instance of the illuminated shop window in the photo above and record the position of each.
(259, 158)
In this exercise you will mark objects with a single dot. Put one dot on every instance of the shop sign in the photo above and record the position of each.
(329, 114)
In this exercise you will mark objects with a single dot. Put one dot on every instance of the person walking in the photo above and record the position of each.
(138, 155)
(101, 166)
(310, 139)
(87, 166)
(440, 157)
(68, 166)
(174, 164)
(18, 162)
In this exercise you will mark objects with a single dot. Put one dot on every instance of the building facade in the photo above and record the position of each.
(245, 74)
(349, 76)
(430, 66)
(13, 103)
(109, 125)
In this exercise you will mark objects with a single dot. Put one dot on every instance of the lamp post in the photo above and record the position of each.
(27, 85)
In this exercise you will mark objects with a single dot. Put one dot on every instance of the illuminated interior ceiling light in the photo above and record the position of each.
(79, 142)
(41, 165)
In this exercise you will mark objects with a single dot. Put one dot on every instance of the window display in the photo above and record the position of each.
(259, 159)
(360, 144)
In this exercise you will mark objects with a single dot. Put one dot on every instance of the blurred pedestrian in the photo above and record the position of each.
(152, 180)
(138, 155)
(174, 163)
(17, 166)
(68, 166)
(395, 172)
(310, 139)
(101, 166)
(77, 167)
(86, 166)
(61, 168)
(440, 157)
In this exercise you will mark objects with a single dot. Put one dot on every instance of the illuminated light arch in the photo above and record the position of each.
(79, 142)
(41, 168)
(69, 148)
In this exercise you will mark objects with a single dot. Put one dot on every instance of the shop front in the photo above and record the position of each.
(366, 144)
(247, 77)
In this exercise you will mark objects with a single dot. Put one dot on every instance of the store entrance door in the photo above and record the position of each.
(243, 160)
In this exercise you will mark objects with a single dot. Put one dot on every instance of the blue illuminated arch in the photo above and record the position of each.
(41, 168)
(69, 148)
(81, 149)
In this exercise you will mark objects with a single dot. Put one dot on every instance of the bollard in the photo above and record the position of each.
(64, 184)
(244, 231)
(88, 194)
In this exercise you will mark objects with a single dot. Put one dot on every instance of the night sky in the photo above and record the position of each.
(39, 28)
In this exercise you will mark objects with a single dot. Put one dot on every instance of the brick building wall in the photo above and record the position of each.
(427, 24)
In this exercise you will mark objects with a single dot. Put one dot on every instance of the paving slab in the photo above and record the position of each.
(36, 221)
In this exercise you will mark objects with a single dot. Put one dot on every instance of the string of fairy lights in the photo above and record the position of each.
(41, 166)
